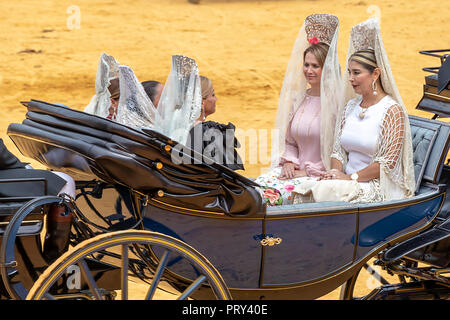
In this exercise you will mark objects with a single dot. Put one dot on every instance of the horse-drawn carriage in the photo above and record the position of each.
(202, 230)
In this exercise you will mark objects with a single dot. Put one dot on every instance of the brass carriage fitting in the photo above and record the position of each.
(270, 241)
(12, 264)
(160, 193)
(167, 148)
(159, 165)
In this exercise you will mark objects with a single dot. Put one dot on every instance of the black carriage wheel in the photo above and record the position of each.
(125, 240)
(7, 252)
(368, 277)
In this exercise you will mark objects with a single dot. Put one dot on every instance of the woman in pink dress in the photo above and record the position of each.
(308, 108)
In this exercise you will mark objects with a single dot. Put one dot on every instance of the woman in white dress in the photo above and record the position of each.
(308, 108)
(372, 154)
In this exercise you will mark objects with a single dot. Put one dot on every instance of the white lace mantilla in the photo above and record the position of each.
(108, 69)
(179, 106)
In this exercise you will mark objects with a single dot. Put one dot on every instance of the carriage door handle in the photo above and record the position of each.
(270, 241)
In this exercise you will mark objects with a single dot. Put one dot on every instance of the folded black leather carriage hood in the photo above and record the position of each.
(91, 147)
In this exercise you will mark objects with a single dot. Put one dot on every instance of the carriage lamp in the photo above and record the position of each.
(167, 148)
(159, 165)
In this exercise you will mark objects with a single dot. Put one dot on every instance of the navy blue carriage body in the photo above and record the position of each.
(90, 147)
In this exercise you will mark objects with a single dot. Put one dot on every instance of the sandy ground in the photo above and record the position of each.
(50, 49)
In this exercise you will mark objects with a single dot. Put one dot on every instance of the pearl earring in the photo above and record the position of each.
(374, 88)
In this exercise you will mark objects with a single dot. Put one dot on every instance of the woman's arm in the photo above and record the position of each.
(289, 159)
(336, 164)
(369, 173)
(389, 153)
(291, 150)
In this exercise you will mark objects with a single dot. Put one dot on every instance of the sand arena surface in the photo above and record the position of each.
(50, 49)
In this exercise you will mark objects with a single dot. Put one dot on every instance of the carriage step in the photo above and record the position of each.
(123, 224)
(426, 238)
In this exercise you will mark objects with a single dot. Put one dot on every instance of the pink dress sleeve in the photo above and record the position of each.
(291, 150)
(303, 138)
(314, 169)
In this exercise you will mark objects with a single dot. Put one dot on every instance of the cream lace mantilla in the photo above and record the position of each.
(325, 28)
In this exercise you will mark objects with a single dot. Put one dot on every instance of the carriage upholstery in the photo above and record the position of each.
(423, 138)
(430, 141)
(90, 147)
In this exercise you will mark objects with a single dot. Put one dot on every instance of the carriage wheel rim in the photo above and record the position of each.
(89, 246)
(7, 252)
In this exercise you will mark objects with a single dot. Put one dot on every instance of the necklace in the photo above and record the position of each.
(362, 114)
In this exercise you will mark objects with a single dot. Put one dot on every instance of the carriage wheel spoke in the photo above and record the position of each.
(48, 296)
(158, 274)
(123, 244)
(375, 274)
(90, 279)
(125, 261)
(194, 286)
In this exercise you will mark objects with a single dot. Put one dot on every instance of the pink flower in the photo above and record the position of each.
(271, 195)
(313, 40)
(289, 187)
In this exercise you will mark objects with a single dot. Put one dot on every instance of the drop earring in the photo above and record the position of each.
(203, 112)
(374, 88)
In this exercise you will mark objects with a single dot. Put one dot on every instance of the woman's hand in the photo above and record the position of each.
(299, 173)
(335, 174)
(288, 171)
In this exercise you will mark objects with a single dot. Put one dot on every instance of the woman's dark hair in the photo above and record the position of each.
(366, 58)
(150, 88)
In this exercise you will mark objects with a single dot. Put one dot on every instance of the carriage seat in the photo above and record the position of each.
(430, 142)
(9, 206)
(422, 142)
